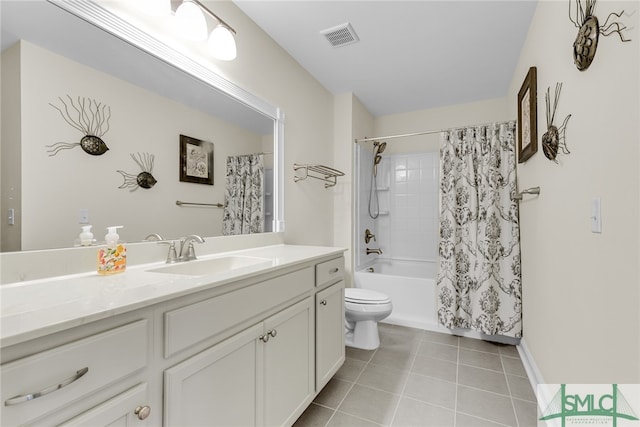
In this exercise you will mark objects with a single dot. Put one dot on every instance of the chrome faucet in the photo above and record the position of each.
(153, 236)
(374, 251)
(187, 242)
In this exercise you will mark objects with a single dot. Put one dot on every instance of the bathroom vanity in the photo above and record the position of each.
(242, 338)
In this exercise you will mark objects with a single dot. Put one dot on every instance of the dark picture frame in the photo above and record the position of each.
(196, 160)
(528, 117)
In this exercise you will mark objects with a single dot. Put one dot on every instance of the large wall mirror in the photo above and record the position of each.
(72, 66)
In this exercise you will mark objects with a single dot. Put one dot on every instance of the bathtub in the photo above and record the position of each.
(411, 286)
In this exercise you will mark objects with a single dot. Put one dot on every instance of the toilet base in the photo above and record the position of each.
(364, 335)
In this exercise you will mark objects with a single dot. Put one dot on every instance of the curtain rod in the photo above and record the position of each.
(426, 132)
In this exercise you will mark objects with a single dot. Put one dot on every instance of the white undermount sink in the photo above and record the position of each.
(206, 267)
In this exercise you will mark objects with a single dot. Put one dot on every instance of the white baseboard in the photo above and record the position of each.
(534, 374)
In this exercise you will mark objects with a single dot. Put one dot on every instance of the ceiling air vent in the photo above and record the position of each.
(340, 35)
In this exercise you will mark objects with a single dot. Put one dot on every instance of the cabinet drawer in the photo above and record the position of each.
(189, 325)
(330, 271)
(38, 384)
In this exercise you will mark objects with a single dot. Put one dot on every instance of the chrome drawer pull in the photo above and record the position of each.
(334, 270)
(27, 397)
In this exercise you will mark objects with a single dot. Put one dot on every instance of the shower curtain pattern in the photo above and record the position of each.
(243, 205)
(478, 283)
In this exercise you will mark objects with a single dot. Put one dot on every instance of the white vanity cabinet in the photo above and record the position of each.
(261, 376)
(329, 302)
(64, 382)
(248, 351)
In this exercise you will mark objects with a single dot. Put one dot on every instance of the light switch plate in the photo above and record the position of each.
(596, 216)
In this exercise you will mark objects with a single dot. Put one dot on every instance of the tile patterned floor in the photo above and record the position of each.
(423, 378)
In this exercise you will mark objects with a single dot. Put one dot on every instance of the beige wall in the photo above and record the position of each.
(351, 120)
(581, 291)
(492, 110)
(10, 128)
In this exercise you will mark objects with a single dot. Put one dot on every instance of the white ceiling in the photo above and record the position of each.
(412, 55)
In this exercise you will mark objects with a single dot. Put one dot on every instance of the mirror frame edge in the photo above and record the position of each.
(113, 24)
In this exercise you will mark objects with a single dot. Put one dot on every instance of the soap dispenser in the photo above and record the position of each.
(113, 258)
(86, 236)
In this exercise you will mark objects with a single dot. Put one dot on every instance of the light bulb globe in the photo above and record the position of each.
(191, 21)
(221, 43)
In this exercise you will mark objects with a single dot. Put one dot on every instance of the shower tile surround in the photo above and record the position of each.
(423, 378)
(407, 226)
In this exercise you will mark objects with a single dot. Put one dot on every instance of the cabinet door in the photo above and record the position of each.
(288, 364)
(127, 409)
(216, 387)
(329, 333)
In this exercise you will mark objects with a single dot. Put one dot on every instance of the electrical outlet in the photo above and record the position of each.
(83, 217)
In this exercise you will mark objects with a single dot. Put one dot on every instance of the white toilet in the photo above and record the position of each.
(364, 308)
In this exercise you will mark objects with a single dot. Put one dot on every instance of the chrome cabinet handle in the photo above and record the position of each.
(334, 270)
(27, 397)
(264, 338)
(323, 302)
(272, 332)
(142, 412)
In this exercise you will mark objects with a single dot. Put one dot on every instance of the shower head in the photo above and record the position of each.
(378, 147)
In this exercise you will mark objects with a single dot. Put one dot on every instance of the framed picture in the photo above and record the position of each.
(196, 160)
(527, 117)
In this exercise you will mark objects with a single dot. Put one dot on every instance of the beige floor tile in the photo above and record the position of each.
(526, 412)
(479, 345)
(398, 359)
(359, 354)
(483, 379)
(480, 359)
(513, 366)
(486, 405)
(438, 351)
(370, 404)
(431, 390)
(340, 419)
(521, 388)
(351, 369)
(463, 420)
(441, 338)
(383, 378)
(435, 368)
(314, 416)
(508, 350)
(413, 413)
(333, 393)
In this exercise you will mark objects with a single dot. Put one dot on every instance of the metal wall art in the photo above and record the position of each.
(196, 160)
(554, 138)
(527, 117)
(145, 178)
(91, 118)
(589, 30)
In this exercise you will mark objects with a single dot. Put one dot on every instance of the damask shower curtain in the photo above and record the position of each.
(478, 282)
(243, 195)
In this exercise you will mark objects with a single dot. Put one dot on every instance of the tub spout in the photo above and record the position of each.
(374, 251)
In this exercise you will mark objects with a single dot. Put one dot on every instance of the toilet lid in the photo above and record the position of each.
(365, 296)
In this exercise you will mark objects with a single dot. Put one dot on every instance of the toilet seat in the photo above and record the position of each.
(365, 296)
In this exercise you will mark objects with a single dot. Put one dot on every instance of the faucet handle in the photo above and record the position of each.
(191, 253)
(368, 235)
(172, 256)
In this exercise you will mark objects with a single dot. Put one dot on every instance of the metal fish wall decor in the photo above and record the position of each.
(145, 178)
(88, 116)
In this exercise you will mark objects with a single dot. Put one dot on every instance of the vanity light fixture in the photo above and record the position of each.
(193, 25)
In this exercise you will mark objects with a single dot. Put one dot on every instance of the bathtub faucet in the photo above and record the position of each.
(374, 251)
